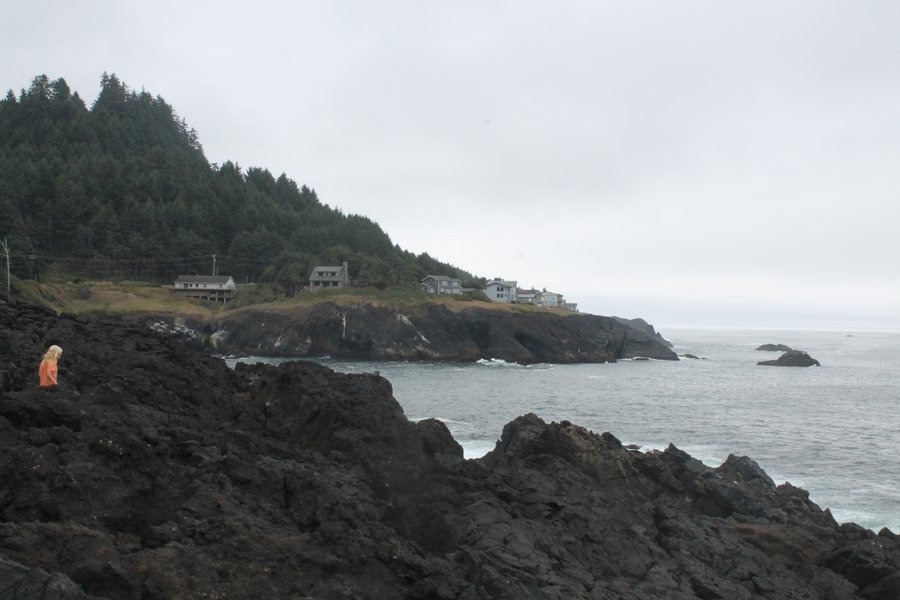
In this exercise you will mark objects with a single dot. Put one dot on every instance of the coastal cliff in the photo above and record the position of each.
(431, 331)
(154, 471)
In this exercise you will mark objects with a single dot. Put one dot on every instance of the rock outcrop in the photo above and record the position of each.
(774, 348)
(642, 325)
(793, 358)
(429, 332)
(154, 472)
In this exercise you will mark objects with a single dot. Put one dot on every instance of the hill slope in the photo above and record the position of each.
(123, 190)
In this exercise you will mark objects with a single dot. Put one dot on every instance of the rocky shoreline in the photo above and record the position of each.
(431, 332)
(153, 471)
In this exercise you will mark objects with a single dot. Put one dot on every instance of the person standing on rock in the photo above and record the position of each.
(47, 372)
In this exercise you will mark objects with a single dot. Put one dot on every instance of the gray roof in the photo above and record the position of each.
(203, 279)
(511, 284)
(441, 278)
(331, 274)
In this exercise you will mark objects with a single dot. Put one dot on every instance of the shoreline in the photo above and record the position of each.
(173, 475)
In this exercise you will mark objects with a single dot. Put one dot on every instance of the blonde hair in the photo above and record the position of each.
(53, 352)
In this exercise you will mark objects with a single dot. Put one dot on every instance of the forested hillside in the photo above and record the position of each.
(123, 190)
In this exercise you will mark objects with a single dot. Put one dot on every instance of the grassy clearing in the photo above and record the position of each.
(122, 297)
(404, 298)
(140, 297)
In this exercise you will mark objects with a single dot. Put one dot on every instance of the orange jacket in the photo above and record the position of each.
(47, 373)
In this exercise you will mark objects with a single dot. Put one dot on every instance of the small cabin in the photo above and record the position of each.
(441, 284)
(325, 278)
(206, 287)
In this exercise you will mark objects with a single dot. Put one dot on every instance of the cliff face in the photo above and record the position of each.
(434, 332)
(155, 472)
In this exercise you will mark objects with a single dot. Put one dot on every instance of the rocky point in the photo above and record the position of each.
(153, 472)
(433, 331)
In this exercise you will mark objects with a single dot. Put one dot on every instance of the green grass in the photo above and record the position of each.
(138, 297)
(122, 297)
(32, 292)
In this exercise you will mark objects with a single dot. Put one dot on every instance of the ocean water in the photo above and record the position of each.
(833, 430)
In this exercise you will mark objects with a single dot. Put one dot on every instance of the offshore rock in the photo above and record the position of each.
(793, 358)
(774, 348)
(155, 472)
(431, 332)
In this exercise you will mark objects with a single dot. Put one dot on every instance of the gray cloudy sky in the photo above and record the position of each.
(693, 163)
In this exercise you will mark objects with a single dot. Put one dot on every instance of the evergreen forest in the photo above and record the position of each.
(123, 190)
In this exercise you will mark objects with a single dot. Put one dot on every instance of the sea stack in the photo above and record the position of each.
(774, 348)
(792, 358)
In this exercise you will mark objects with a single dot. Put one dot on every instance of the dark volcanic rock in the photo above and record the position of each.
(794, 358)
(18, 581)
(775, 348)
(155, 472)
(431, 332)
(644, 326)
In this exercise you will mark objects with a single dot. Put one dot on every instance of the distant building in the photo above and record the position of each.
(571, 306)
(501, 291)
(441, 284)
(324, 278)
(527, 296)
(205, 287)
(551, 299)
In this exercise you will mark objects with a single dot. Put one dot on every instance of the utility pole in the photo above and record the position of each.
(214, 265)
(6, 252)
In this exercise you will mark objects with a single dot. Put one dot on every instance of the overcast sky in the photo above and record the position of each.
(693, 163)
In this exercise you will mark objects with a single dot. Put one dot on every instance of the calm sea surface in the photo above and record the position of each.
(832, 430)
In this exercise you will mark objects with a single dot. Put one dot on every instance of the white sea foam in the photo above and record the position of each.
(476, 448)
(496, 362)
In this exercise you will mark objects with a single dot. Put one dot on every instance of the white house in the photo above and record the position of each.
(205, 287)
(527, 296)
(550, 299)
(501, 291)
(323, 278)
(441, 284)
